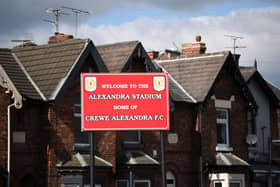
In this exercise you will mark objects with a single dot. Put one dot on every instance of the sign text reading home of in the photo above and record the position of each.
(124, 101)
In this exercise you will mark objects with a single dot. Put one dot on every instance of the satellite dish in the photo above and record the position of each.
(251, 139)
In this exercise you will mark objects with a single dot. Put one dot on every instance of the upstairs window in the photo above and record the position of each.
(81, 138)
(132, 137)
(222, 123)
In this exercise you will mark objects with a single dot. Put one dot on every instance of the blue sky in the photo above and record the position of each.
(128, 13)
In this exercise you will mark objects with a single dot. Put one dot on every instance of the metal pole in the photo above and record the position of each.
(130, 178)
(92, 159)
(163, 174)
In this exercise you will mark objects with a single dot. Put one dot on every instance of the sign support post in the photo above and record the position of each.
(92, 158)
(162, 148)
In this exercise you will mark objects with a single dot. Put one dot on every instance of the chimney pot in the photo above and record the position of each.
(198, 38)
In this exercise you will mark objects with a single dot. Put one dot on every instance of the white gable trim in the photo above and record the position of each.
(63, 80)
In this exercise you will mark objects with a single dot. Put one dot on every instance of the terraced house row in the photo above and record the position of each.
(224, 119)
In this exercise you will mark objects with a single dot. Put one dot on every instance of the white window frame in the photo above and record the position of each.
(217, 181)
(227, 178)
(142, 181)
(236, 181)
(77, 114)
(134, 142)
(170, 176)
(122, 180)
(226, 122)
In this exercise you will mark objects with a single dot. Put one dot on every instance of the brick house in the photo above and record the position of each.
(222, 100)
(209, 104)
(265, 171)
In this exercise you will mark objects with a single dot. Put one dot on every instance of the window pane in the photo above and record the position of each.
(131, 136)
(218, 184)
(221, 114)
(80, 137)
(72, 185)
(221, 133)
(141, 184)
(122, 183)
(234, 184)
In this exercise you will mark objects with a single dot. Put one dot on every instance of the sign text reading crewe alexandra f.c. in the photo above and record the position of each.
(134, 101)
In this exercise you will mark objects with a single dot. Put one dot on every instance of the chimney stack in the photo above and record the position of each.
(59, 37)
(194, 48)
(153, 54)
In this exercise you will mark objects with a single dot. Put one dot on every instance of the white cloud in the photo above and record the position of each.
(259, 27)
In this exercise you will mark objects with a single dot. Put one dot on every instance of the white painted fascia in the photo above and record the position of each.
(177, 84)
(29, 78)
(150, 158)
(190, 58)
(102, 160)
(81, 160)
(63, 80)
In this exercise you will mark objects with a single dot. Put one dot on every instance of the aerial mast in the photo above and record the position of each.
(56, 13)
(234, 38)
(77, 12)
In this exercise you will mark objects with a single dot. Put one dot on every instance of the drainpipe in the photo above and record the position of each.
(9, 145)
(6, 82)
(200, 131)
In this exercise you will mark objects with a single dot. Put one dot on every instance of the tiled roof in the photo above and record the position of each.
(17, 76)
(229, 159)
(116, 55)
(247, 72)
(48, 65)
(83, 160)
(251, 73)
(275, 90)
(196, 74)
(176, 91)
(137, 158)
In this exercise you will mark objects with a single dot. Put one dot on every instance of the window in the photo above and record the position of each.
(132, 137)
(227, 179)
(235, 184)
(278, 121)
(122, 183)
(218, 184)
(170, 179)
(222, 127)
(141, 183)
(251, 123)
(81, 138)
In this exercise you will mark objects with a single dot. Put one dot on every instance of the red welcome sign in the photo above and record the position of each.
(124, 101)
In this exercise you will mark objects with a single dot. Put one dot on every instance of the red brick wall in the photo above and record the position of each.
(29, 158)
(4, 102)
(224, 89)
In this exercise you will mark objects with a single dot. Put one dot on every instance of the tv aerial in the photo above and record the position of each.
(234, 38)
(77, 12)
(56, 13)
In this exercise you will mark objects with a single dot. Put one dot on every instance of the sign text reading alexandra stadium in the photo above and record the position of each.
(125, 101)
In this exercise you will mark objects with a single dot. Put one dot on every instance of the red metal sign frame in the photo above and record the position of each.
(124, 101)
